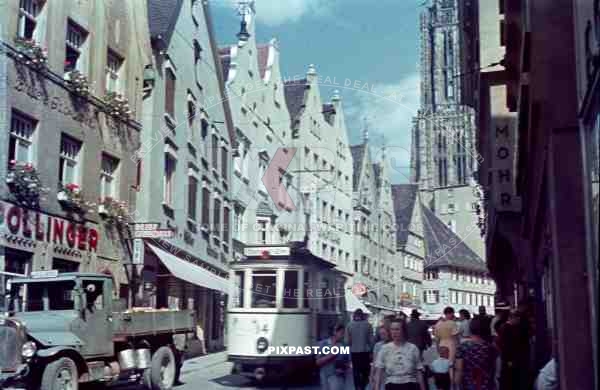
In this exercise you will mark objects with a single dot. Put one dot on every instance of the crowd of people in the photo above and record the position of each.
(479, 353)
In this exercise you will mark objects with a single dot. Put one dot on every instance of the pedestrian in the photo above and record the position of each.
(360, 340)
(486, 320)
(547, 378)
(477, 363)
(418, 332)
(398, 363)
(464, 319)
(446, 332)
(442, 369)
(513, 342)
(384, 338)
(333, 368)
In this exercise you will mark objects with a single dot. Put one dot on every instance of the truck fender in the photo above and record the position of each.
(58, 351)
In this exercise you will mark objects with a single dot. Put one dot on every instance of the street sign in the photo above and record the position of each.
(157, 233)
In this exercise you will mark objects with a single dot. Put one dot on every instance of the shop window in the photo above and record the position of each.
(108, 177)
(70, 150)
(20, 144)
(290, 289)
(263, 289)
(17, 262)
(74, 48)
(114, 63)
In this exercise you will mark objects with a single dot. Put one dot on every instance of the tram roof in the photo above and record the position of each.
(298, 254)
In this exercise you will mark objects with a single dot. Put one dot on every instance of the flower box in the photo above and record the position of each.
(71, 198)
(32, 53)
(24, 183)
(78, 83)
(117, 105)
(113, 211)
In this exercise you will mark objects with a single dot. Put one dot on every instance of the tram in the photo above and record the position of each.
(282, 296)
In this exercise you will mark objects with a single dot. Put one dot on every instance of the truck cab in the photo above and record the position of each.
(69, 323)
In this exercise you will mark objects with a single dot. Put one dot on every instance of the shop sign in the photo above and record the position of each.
(270, 250)
(40, 227)
(503, 159)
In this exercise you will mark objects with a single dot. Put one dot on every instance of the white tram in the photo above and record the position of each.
(283, 296)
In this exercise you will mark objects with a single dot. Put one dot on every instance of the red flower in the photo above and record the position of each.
(28, 167)
(72, 187)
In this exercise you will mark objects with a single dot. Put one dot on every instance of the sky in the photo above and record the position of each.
(370, 44)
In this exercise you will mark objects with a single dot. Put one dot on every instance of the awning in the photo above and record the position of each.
(353, 303)
(191, 273)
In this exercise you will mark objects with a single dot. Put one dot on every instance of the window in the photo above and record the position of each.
(191, 114)
(226, 224)
(217, 216)
(76, 37)
(224, 156)
(170, 81)
(290, 289)
(436, 296)
(460, 298)
(108, 177)
(21, 138)
(238, 222)
(29, 11)
(263, 230)
(192, 197)
(205, 206)
(238, 294)
(169, 179)
(68, 169)
(355, 265)
(62, 265)
(197, 52)
(453, 298)
(307, 290)
(215, 151)
(263, 289)
(328, 302)
(114, 63)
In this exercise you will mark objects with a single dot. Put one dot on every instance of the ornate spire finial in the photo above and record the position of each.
(244, 8)
(311, 69)
(365, 130)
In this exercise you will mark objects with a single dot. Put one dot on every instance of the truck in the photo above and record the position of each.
(61, 330)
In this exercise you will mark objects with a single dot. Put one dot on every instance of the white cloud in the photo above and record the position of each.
(276, 12)
(389, 110)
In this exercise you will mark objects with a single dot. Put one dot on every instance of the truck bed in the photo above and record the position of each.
(140, 322)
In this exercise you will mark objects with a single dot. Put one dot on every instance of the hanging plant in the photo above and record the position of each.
(31, 53)
(78, 82)
(71, 198)
(117, 105)
(24, 184)
(113, 211)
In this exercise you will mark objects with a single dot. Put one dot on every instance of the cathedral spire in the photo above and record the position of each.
(365, 131)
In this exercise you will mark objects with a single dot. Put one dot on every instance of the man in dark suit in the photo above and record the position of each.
(418, 333)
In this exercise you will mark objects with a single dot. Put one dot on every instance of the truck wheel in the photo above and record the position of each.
(60, 374)
(163, 369)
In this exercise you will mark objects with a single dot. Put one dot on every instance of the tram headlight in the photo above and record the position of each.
(28, 350)
(262, 344)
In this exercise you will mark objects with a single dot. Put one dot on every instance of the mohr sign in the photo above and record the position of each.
(503, 159)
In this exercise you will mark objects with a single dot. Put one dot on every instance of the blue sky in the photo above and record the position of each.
(372, 42)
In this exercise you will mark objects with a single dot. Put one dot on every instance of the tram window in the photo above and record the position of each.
(238, 297)
(290, 289)
(263, 289)
(307, 291)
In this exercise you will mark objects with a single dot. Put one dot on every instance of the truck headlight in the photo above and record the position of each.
(28, 350)
(262, 344)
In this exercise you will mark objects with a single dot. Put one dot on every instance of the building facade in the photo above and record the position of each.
(374, 244)
(70, 119)
(185, 168)
(540, 218)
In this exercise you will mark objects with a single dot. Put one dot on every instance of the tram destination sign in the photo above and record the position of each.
(269, 250)
(158, 233)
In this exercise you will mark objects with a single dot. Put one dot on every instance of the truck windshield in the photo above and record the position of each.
(43, 296)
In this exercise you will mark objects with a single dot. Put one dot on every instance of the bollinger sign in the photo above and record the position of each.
(40, 227)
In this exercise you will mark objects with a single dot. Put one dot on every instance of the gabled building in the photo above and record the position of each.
(262, 124)
(410, 246)
(374, 241)
(185, 167)
(324, 167)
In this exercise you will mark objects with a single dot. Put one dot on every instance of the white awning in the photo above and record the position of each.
(191, 273)
(353, 303)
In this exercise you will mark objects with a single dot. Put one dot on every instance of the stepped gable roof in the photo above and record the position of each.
(328, 113)
(295, 96)
(162, 17)
(404, 198)
(358, 153)
(443, 247)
